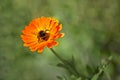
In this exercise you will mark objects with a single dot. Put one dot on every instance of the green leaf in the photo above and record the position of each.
(101, 69)
(96, 76)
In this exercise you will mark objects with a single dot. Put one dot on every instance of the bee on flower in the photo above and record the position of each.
(41, 32)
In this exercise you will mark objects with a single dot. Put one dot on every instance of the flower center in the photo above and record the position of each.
(43, 35)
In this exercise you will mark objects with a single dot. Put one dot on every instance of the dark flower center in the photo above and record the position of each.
(43, 35)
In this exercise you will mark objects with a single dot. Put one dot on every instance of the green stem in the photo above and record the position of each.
(68, 65)
(61, 59)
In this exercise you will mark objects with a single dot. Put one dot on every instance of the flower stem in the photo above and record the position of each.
(68, 65)
(61, 59)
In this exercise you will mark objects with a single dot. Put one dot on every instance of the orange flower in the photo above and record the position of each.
(41, 32)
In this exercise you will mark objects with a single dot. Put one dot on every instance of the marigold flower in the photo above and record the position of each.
(41, 32)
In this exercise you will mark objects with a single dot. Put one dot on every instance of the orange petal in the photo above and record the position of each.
(30, 44)
(60, 35)
(40, 49)
(34, 48)
(49, 45)
(31, 33)
(55, 43)
(27, 39)
(56, 29)
(52, 24)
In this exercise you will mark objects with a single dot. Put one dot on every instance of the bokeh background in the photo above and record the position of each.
(92, 33)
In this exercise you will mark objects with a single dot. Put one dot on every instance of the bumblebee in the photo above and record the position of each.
(43, 35)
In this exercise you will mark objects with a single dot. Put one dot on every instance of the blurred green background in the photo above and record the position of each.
(92, 33)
